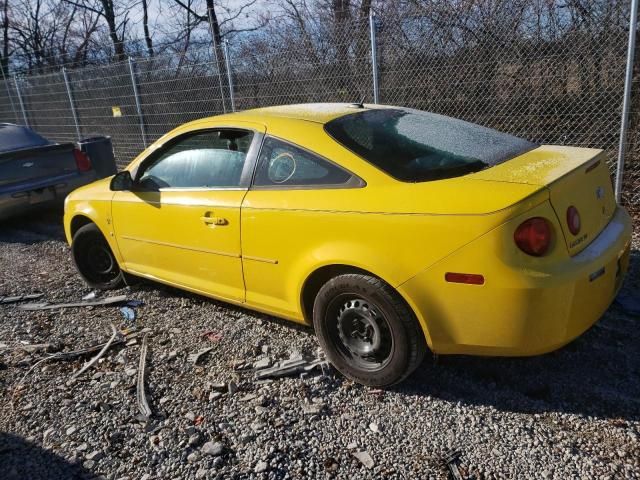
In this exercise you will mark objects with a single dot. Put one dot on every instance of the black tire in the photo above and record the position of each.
(367, 330)
(95, 260)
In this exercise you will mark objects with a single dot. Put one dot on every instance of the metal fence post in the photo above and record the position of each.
(228, 63)
(71, 103)
(6, 84)
(633, 23)
(24, 112)
(215, 54)
(134, 83)
(374, 56)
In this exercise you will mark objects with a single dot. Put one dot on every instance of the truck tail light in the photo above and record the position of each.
(82, 160)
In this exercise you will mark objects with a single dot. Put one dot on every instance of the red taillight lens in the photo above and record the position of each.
(533, 236)
(82, 160)
(573, 220)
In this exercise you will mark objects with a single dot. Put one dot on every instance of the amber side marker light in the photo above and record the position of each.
(469, 278)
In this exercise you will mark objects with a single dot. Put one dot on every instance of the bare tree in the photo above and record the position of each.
(47, 33)
(116, 20)
(4, 56)
(145, 26)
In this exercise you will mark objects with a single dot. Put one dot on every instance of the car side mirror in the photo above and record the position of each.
(121, 181)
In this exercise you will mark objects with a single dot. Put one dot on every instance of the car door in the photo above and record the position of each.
(285, 217)
(180, 223)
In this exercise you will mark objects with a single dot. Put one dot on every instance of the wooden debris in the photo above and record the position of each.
(88, 303)
(106, 347)
(141, 395)
(20, 298)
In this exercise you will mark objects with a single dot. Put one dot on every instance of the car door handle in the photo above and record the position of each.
(219, 221)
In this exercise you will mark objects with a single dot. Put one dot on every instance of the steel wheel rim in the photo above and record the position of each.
(98, 263)
(360, 332)
(99, 259)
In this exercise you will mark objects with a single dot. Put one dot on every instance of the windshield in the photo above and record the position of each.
(415, 146)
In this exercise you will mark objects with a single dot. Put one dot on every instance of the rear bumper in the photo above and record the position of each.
(19, 199)
(521, 309)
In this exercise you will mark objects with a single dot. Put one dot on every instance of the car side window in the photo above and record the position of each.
(282, 164)
(210, 158)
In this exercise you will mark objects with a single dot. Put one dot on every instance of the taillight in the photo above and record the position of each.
(573, 220)
(533, 236)
(82, 160)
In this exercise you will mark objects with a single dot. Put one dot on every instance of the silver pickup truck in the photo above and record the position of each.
(35, 171)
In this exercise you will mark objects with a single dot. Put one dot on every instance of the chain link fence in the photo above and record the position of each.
(531, 78)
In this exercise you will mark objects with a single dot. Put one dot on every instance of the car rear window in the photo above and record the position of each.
(415, 146)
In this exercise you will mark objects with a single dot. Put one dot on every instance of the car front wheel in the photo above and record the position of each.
(367, 330)
(95, 260)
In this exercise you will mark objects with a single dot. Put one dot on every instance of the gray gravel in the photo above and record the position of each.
(574, 413)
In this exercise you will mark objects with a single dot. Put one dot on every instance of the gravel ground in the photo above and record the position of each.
(574, 413)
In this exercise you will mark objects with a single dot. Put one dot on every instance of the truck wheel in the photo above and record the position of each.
(95, 260)
(367, 330)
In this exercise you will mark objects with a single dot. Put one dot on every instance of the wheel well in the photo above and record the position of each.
(317, 279)
(78, 222)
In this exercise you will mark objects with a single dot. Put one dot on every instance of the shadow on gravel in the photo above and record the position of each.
(597, 375)
(21, 460)
(35, 227)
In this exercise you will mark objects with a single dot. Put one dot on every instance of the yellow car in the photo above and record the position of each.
(390, 230)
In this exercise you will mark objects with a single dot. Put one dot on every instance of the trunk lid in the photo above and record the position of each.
(577, 177)
(35, 163)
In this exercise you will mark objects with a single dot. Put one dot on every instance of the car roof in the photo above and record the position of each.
(311, 112)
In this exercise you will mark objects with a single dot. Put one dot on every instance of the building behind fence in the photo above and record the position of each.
(562, 87)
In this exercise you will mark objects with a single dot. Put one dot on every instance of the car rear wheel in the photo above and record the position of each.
(367, 330)
(95, 260)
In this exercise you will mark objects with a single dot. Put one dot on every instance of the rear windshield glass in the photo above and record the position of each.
(415, 146)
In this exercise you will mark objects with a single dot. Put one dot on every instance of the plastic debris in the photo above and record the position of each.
(88, 303)
(364, 458)
(291, 367)
(195, 357)
(128, 313)
(90, 296)
(114, 334)
(20, 298)
(141, 395)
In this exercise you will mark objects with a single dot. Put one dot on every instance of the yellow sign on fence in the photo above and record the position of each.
(116, 111)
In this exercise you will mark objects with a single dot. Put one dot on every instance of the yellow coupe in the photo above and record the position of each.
(390, 230)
